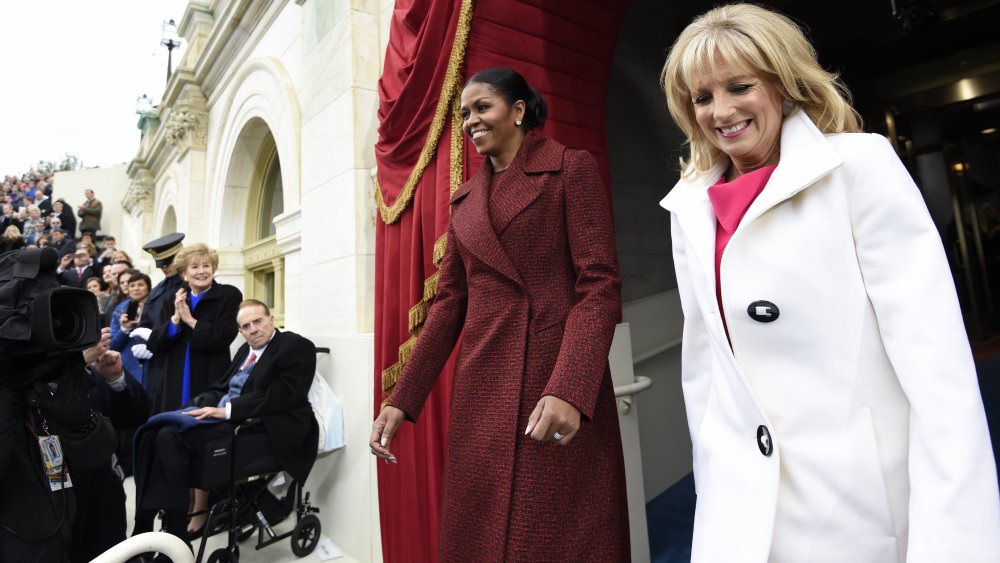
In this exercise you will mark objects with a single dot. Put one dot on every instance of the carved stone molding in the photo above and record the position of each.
(187, 126)
(139, 196)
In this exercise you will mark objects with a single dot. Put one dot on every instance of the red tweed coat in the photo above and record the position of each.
(538, 303)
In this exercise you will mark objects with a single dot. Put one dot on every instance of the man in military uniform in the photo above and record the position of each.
(163, 251)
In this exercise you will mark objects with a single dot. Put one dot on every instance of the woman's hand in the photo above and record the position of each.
(126, 324)
(383, 429)
(182, 313)
(553, 419)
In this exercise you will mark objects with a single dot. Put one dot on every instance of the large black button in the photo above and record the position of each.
(763, 311)
(764, 440)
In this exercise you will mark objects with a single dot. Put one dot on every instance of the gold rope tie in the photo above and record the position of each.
(449, 89)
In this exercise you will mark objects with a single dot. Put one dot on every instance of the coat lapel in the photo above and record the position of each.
(806, 156)
(265, 361)
(536, 156)
(690, 204)
(470, 219)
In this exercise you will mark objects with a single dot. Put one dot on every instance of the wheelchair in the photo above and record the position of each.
(245, 503)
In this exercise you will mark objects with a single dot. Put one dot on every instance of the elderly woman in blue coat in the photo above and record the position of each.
(830, 390)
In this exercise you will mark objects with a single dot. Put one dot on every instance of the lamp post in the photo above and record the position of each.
(171, 41)
(143, 104)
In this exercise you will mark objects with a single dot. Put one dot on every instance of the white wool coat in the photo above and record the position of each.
(862, 391)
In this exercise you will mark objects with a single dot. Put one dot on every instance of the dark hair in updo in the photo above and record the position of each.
(513, 87)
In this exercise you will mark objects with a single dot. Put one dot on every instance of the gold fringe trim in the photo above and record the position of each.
(457, 138)
(448, 107)
(439, 248)
(450, 91)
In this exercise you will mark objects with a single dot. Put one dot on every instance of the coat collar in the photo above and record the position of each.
(806, 156)
(470, 212)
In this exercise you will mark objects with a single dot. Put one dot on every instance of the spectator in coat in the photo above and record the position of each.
(62, 244)
(194, 329)
(90, 213)
(163, 250)
(75, 269)
(122, 326)
(11, 239)
(65, 215)
(43, 203)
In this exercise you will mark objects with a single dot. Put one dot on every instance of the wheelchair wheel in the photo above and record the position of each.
(222, 555)
(305, 536)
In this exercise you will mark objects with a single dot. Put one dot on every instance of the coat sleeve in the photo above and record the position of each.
(288, 380)
(954, 511)
(437, 339)
(217, 329)
(590, 325)
(119, 338)
(159, 341)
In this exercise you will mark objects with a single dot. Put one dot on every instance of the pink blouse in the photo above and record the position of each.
(731, 201)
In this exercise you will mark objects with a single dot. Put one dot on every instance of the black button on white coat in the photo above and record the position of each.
(764, 440)
(763, 311)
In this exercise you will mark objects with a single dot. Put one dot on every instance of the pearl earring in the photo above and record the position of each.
(518, 123)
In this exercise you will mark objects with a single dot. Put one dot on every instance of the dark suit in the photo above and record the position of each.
(67, 246)
(69, 277)
(276, 391)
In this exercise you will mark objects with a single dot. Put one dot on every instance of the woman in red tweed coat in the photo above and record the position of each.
(534, 467)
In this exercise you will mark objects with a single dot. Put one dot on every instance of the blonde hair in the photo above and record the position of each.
(766, 43)
(198, 250)
(11, 232)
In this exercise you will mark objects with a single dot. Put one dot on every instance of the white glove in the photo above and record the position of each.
(142, 333)
(140, 351)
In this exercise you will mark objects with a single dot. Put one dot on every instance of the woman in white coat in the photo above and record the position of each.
(830, 390)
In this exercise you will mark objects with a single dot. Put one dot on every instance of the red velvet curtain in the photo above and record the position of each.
(564, 49)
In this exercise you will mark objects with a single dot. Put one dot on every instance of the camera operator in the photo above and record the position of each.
(100, 496)
(55, 448)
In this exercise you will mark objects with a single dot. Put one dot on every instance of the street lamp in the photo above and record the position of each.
(171, 41)
(143, 104)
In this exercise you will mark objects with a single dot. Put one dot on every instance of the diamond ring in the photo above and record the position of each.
(557, 436)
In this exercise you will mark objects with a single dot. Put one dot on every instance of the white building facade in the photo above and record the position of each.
(262, 148)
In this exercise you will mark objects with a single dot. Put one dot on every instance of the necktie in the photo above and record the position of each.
(250, 361)
(79, 274)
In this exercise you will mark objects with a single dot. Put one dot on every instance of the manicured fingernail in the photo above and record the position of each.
(527, 430)
(384, 441)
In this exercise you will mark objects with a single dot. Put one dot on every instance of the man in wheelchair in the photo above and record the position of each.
(269, 380)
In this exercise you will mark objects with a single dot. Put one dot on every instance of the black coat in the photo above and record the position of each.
(68, 220)
(100, 497)
(277, 392)
(209, 344)
(164, 291)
